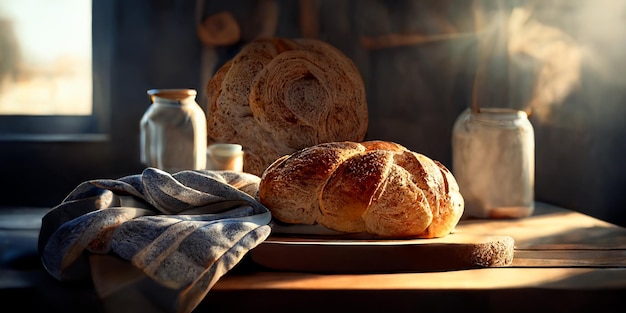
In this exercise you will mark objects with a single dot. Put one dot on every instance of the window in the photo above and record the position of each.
(47, 86)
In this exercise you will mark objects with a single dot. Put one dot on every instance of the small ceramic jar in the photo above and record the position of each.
(225, 156)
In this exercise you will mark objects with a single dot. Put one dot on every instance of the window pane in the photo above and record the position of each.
(45, 57)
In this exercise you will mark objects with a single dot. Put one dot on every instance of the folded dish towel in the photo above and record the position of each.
(158, 238)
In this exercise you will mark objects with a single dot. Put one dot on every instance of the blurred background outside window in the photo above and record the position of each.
(45, 57)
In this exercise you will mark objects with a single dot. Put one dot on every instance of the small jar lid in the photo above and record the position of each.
(176, 94)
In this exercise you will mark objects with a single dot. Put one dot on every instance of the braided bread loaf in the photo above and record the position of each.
(376, 187)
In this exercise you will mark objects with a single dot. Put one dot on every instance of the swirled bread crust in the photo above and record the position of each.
(376, 187)
(278, 95)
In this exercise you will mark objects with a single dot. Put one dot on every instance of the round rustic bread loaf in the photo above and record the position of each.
(374, 187)
(277, 96)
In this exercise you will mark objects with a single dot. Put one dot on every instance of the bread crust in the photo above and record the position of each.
(299, 200)
(375, 187)
(279, 95)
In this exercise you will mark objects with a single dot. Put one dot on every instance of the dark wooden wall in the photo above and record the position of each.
(419, 60)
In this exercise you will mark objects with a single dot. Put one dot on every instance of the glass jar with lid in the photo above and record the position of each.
(173, 131)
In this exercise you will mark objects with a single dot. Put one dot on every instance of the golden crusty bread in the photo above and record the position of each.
(278, 95)
(376, 187)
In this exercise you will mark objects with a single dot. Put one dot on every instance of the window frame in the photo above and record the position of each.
(45, 157)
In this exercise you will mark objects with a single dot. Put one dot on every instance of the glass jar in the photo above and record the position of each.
(493, 161)
(173, 131)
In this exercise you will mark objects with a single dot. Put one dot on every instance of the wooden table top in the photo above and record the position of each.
(563, 261)
(564, 242)
(560, 255)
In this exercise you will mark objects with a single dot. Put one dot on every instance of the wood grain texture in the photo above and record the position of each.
(453, 252)
(570, 258)
(483, 279)
(551, 228)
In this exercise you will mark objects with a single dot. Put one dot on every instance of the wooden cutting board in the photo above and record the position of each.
(330, 255)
